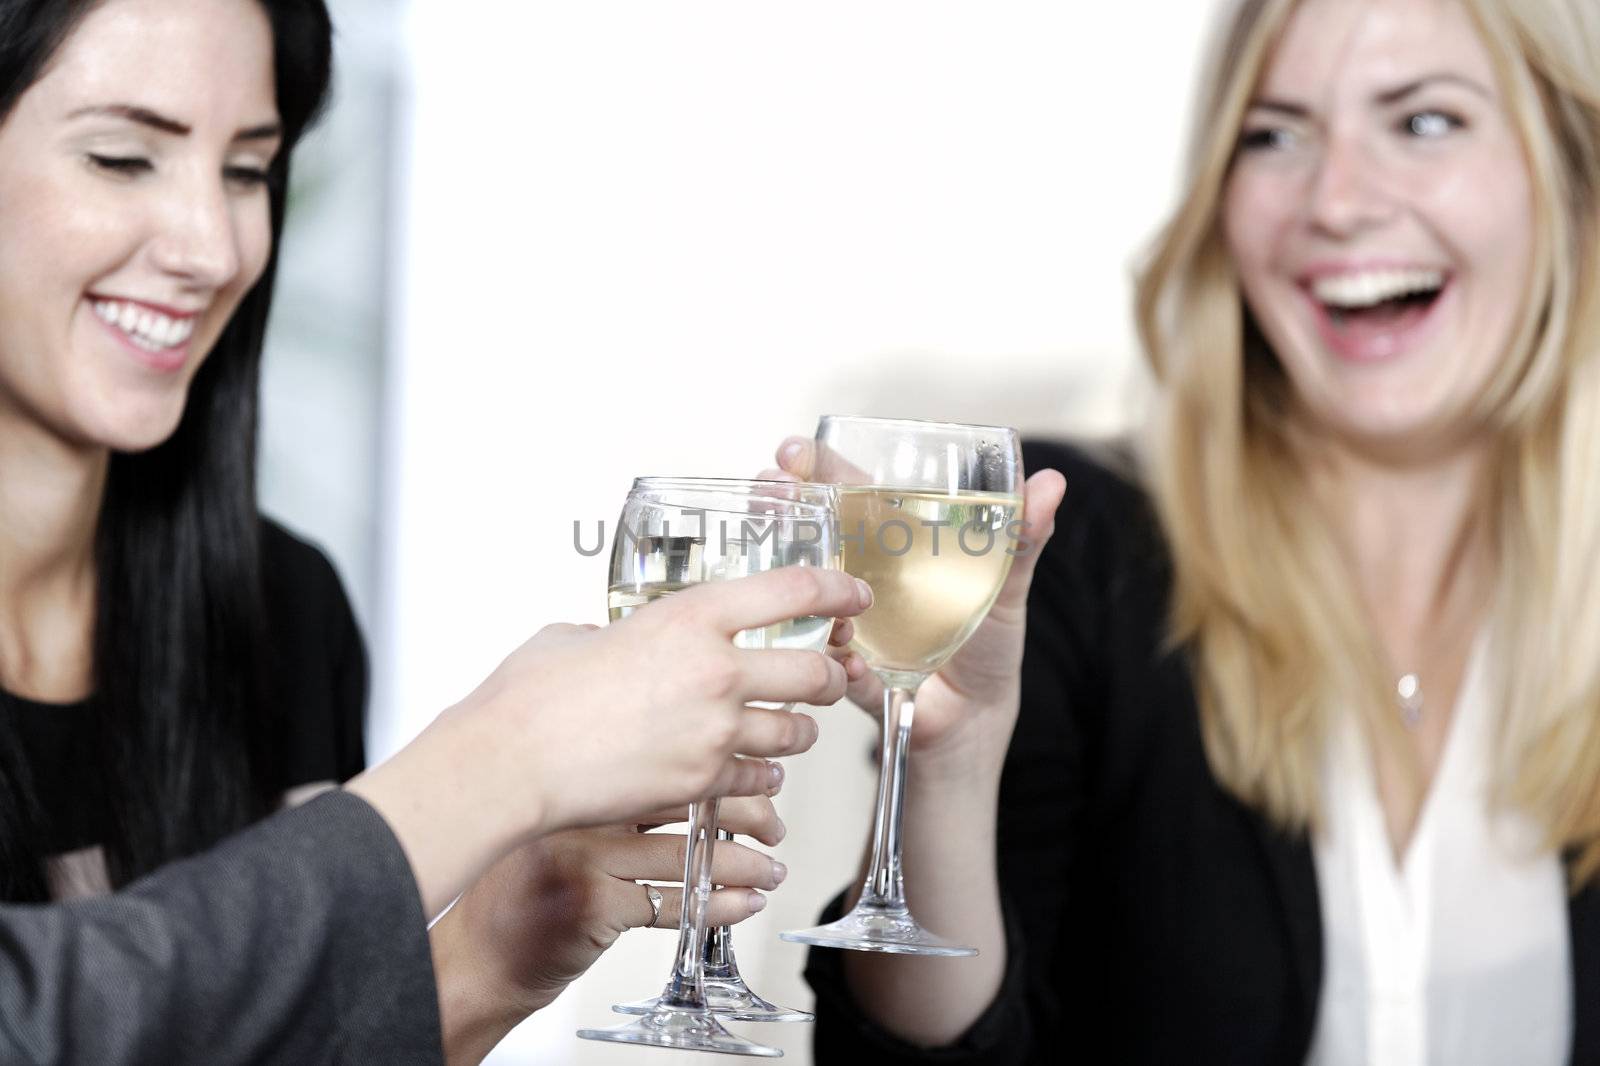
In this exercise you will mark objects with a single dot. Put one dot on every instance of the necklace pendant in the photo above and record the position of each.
(1408, 693)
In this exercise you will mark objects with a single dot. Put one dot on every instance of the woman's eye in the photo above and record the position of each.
(119, 164)
(249, 177)
(1431, 124)
(1266, 138)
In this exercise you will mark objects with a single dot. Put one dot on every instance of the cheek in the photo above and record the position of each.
(1481, 206)
(254, 236)
(62, 242)
(1249, 235)
(255, 245)
(1252, 219)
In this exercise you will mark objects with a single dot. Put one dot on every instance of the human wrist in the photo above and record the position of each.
(487, 806)
(475, 1013)
(970, 757)
(520, 807)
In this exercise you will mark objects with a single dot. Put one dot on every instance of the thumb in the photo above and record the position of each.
(1041, 497)
(797, 456)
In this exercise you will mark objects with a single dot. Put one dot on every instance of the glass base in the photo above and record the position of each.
(728, 998)
(685, 1030)
(891, 932)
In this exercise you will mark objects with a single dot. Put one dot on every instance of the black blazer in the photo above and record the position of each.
(1151, 917)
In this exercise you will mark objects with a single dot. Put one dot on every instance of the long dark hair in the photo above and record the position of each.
(189, 737)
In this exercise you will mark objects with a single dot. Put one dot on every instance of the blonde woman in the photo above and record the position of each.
(1307, 764)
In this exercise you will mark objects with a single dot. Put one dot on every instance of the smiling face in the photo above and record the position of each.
(1379, 213)
(134, 214)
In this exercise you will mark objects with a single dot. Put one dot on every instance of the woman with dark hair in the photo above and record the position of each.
(147, 605)
(172, 666)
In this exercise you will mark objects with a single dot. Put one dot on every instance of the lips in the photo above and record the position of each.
(1377, 314)
(157, 336)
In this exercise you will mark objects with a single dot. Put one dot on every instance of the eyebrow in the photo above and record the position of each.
(1401, 92)
(1283, 107)
(1387, 97)
(145, 117)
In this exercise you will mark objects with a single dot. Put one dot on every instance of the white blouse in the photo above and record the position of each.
(1460, 956)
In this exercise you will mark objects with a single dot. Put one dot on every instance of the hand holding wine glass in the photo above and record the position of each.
(966, 709)
(676, 537)
(905, 487)
(966, 713)
(661, 698)
(541, 916)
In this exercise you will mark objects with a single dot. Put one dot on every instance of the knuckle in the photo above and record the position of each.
(685, 610)
(719, 676)
(841, 680)
(723, 730)
(743, 781)
(705, 778)
(748, 869)
(714, 741)
(803, 584)
(576, 899)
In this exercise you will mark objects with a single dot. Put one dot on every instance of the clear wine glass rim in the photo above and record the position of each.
(725, 482)
(924, 422)
(816, 500)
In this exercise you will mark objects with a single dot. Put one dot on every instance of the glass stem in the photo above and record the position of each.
(686, 989)
(884, 890)
(717, 961)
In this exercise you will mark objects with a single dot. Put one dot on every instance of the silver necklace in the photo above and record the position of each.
(1408, 696)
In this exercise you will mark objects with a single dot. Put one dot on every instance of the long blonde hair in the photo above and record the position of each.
(1262, 596)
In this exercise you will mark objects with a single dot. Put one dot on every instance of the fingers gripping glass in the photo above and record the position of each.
(926, 517)
(674, 533)
(727, 994)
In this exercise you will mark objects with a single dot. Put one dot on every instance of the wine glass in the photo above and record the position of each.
(727, 993)
(675, 532)
(929, 516)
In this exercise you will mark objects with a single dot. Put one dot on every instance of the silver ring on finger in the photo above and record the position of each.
(653, 894)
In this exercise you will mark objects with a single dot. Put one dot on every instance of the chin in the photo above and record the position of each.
(138, 434)
(1399, 438)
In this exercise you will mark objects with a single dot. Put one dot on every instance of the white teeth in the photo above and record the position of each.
(1370, 287)
(150, 330)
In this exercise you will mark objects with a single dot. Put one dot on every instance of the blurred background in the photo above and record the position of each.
(537, 249)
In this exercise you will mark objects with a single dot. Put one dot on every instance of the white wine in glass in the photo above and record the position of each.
(929, 516)
(935, 562)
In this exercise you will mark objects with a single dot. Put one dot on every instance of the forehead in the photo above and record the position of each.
(185, 58)
(1335, 47)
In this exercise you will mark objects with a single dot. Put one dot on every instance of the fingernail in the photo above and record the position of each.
(779, 872)
(863, 594)
(780, 832)
(788, 450)
(757, 901)
(775, 774)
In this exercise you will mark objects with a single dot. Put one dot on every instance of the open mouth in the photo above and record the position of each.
(145, 327)
(1372, 313)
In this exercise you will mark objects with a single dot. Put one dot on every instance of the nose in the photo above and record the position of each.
(198, 242)
(1347, 194)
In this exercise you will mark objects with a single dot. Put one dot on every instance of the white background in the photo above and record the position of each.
(653, 238)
